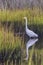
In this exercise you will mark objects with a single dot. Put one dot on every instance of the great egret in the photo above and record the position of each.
(28, 31)
(28, 45)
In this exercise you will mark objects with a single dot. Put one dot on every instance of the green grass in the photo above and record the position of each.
(8, 40)
(35, 15)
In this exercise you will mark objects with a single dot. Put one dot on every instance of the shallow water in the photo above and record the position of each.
(31, 52)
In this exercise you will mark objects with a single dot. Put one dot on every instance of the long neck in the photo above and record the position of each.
(26, 23)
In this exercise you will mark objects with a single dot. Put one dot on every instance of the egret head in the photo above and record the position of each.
(25, 18)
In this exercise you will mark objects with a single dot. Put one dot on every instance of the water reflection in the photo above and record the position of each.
(18, 59)
(28, 45)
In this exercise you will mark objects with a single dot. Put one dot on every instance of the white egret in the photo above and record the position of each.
(29, 32)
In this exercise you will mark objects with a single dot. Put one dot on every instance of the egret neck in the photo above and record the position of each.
(26, 23)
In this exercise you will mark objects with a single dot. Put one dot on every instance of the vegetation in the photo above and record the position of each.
(35, 15)
(35, 54)
(18, 4)
(8, 40)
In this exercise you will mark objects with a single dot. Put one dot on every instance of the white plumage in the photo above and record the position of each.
(29, 32)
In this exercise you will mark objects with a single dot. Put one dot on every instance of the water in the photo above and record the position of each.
(33, 52)
(30, 53)
(28, 45)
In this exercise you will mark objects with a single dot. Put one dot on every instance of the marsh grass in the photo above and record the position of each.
(9, 45)
(31, 55)
(35, 15)
(8, 40)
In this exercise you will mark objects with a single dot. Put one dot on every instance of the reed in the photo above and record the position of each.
(35, 15)
(8, 40)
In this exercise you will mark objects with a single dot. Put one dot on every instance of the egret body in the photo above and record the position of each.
(28, 31)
